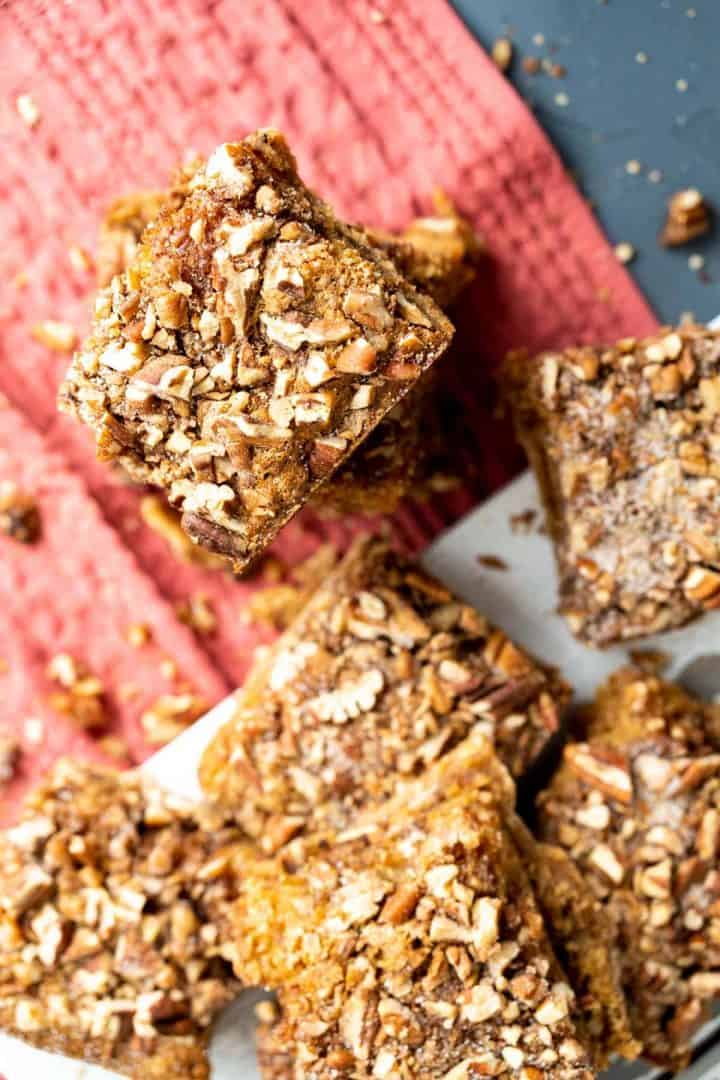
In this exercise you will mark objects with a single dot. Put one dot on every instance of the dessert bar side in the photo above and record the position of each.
(637, 809)
(250, 348)
(383, 672)
(115, 923)
(624, 441)
(411, 945)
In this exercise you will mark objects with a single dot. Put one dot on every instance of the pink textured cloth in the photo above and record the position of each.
(379, 109)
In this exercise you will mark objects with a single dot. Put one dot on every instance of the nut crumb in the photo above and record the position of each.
(688, 217)
(197, 613)
(81, 694)
(19, 515)
(502, 53)
(531, 65)
(27, 110)
(9, 756)
(625, 252)
(80, 259)
(493, 562)
(523, 521)
(633, 167)
(58, 336)
(138, 634)
(650, 661)
(169, 716)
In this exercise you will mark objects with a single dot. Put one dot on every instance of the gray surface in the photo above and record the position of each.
(621, 110)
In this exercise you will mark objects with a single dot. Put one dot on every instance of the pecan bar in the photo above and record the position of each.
(383, 671)
(438, 254)
(637, 807)
(115, 942)
(411, 946)
(625, 444)
(251, 346)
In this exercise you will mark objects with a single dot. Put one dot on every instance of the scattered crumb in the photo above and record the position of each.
(691, 13)
(655, 176)
(524, 521)
(169, 716)
(492, 562)
(538, 39)
(21, 279)
(376, 16)
(688, 216)
(33, 730)
(556, 71)
(80, 259)
(633, 167)
(27, 110)
(651, 661)
(624, 252)
(641, 57)
(531, 64)
(603, 294)
(168, 668)
(502, 53)
(127, 691)
(19, 515)
(138, 634)
(81, 695)
(58, 336)
(696, 261)
(9, 757)
(197, 612)
(115, 747)
(681, 86)
(562, 99)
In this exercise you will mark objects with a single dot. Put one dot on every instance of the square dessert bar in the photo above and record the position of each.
(251, 346)
(115, 924)
(437, 254)
(637, 808)
(625, 443)
(411, 946)
(381, 673)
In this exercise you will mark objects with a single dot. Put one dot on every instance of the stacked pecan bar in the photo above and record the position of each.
(437, 254)
(251, 346)
(411, 945)
(384, 671)
(625, 442)
(115, 942)
(637, 808)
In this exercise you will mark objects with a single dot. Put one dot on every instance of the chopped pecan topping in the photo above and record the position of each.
(688, 216)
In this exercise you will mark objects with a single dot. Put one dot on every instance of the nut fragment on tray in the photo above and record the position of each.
(381, 673)
(637, 808)
(437, 254)
(114, 924)
(411, 945)
(625, 444)
(251, 346)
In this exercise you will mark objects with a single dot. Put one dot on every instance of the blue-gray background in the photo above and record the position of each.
(622, 110)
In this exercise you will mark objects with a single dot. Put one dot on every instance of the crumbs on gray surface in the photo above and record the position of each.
(492, 562)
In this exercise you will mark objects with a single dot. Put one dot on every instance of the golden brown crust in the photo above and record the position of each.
(637, 808)
(411, 945)
(114, 923)
(624, 443)
(253, 344)
(382, 672)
